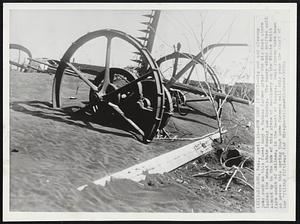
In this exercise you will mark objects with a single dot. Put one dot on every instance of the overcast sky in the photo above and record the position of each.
(48, 33)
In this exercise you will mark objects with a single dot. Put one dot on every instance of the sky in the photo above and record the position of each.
(49, 33)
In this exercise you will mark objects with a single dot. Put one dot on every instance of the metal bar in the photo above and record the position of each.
(195, 90)
(29, 66)
(19, 56)
(53, 67)
(189, 76)
(41, 62)
(175, 65)
(16, 64)
(198, 100)
(153, 28)
(106, 80)
(87, 81)
(198, 57)
(129, 121)
(113, 93)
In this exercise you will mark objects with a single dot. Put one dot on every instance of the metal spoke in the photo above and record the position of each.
(117, 109)
(82, 77)
(189, 76)
(106, 80)
(124, 88)
(176, 59)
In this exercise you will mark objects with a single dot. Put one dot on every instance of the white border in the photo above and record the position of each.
(85, 216)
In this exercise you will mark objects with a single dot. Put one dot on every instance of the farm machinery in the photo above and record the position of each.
(141, 96)
(17, 63)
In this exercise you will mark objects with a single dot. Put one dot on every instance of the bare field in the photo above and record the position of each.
(51, 154)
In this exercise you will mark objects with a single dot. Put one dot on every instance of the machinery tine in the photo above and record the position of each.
(146, 23)
(137, 61)
(137, 52)
(148, 15)
(145, 31)
(142, 38)
(120, 112)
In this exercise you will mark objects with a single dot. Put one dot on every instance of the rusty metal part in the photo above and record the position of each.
(107, 93)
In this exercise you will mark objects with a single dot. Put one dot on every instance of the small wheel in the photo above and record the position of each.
(21, 66)
(190, 57)
(129, 100)
(214, 78)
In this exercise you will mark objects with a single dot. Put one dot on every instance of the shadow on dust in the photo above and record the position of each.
(67, 115)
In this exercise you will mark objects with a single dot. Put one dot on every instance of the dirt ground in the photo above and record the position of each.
(51, 154)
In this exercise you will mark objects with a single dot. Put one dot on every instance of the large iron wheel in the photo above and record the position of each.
(130, 100)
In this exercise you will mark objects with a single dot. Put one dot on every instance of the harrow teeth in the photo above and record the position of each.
(146, 23)
(142, 38)
(137, 61)
(148, 15)
(145, 31)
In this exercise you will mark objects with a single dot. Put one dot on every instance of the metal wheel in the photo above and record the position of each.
(122, 91)
(190, 57)
(21, 66)
(177, 94)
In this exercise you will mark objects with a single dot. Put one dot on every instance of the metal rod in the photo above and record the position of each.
(113, 93)
(175, 67)
(217, 95)
(198, 57)
(198, 100)
(41, 62)
(153, 28)
(189, 76)
(81, 76)
(19, 53)
(107, 64)
(16, 64)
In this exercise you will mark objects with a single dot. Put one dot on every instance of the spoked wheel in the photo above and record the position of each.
(177, 94)
(21, 66)
(125, 93)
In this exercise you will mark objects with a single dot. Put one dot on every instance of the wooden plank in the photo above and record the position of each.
(163, 163)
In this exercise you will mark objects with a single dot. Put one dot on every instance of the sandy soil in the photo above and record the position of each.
(51, 154)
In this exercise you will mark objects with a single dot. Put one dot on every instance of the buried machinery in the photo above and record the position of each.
(141, 96)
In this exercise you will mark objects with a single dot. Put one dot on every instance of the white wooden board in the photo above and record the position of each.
(163, 163)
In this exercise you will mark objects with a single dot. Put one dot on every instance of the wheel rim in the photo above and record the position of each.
(192, 57)
(152, 73)
(210, 70)
(23, 49)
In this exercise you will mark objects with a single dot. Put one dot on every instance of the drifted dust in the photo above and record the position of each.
(51, 154)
